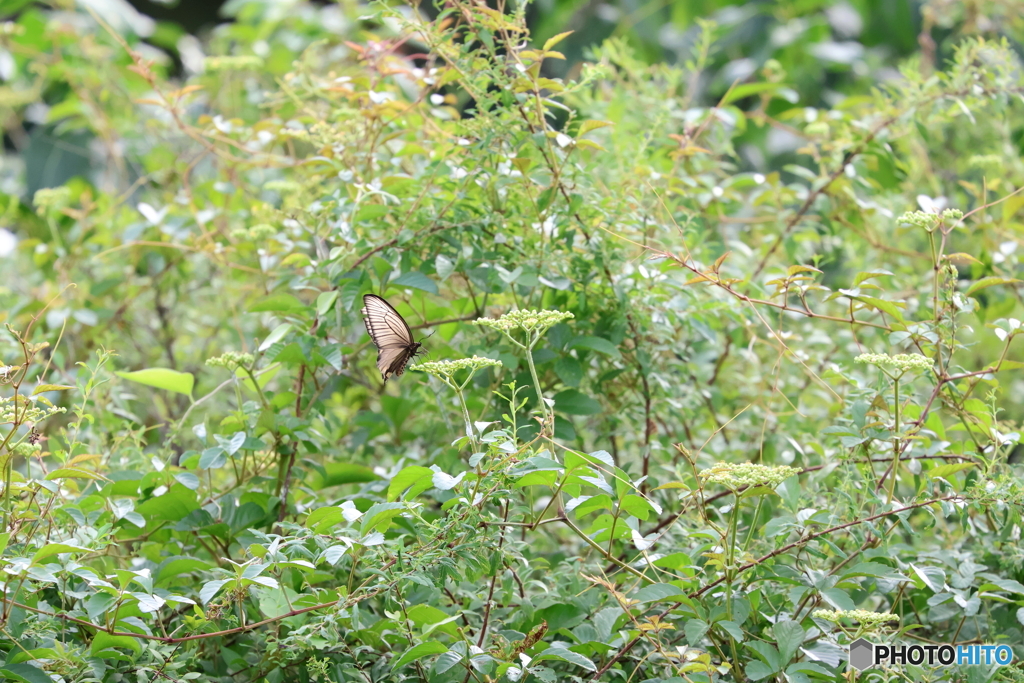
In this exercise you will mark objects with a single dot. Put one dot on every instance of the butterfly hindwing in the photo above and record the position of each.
(390, 334)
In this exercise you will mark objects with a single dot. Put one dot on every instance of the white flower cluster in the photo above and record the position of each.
(861, 616)
(525, 320)
(444, 369)
(902, 362)
(737, 475)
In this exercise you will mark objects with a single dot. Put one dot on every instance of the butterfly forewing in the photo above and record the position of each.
(390, 334)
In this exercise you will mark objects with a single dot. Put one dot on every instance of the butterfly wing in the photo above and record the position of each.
(393, 361)
(390, 334)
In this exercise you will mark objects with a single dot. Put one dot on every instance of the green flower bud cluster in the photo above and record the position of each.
(985, 161)
(257, 233)
(444, 369)
(928, 220)
(13, 99)
(901, 362)
(233, 63)
(862, 616)
(531, 321)
(296, 133)
(232, 360)
(735, 476)
(23, 410)
(283, 186)
(26, 449)
(51, 199)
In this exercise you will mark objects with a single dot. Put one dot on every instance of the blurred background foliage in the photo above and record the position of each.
(733, 200)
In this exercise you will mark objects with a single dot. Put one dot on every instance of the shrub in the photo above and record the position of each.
(718, 384)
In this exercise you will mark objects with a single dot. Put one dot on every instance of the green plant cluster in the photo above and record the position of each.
(723, 367)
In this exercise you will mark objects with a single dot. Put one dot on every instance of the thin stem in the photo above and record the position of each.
(536, 384)
(730, 554)
(608, 556)
(465, 414)
(753, 523)
(895, 439)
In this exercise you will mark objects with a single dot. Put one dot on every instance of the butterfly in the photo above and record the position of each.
(390, 334)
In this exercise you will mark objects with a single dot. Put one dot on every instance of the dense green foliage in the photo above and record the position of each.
(721, 347)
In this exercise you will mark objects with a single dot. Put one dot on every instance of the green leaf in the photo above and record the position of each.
(733, 629)
(989, 282)
(43, 388)
(420, 478)
(871, 569)
(674, 561)
(592, 504)
(789, 635)
(569, 371)
(325, 302)
(572, 402)
(446, 661)
(419, 652)
(172, 506)
(566, 655)
(810, 667)
(695, 630)
(933, 577)
(379, 516)
(538, 478)
(639, 507)
(104, 641)
(416, 280)
(768, 653)
(839, 599)
(748, 89)
(945, 471)
(425, 615)
(213, 458)
(599, 344)
(322, 518)
(338, 473)
(277, 335)
(25, 672)
(890, 307)
(162, 378)
(56, 549)
(73, 473)
(277, 303)
(756, 670)
(1008, 585)
(658, 591)
(556, 39)
(756, 491)
(176, 566)
(211, 588)
(590, 125)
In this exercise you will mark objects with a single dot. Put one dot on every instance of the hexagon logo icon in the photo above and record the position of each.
(862, 654)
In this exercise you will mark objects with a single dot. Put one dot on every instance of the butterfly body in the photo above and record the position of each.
(390, 334)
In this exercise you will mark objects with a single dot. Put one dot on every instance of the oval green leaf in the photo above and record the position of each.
(162, 378)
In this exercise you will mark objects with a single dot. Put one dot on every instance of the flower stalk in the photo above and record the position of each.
(445, 370)
(535, 324)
